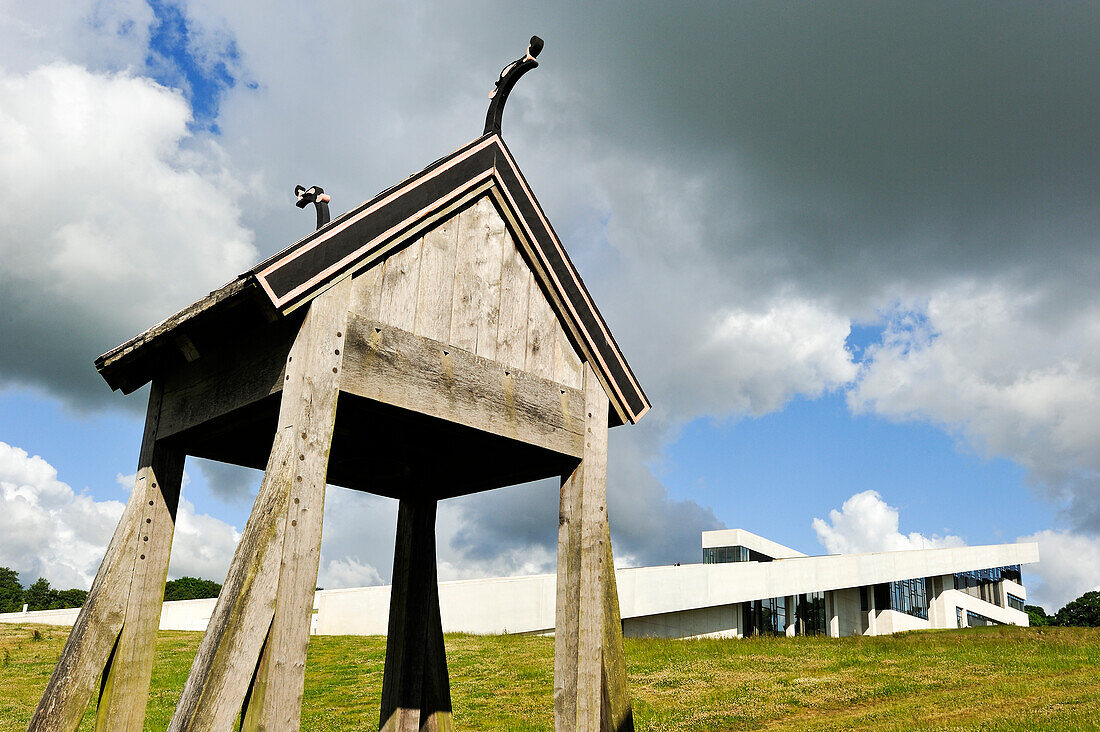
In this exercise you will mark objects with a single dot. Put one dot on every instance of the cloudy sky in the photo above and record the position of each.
(850, 250)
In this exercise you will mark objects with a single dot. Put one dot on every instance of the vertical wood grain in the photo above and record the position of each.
(541, 323)
(248, 608)
(515, 286)
(437, 276)
(101, 620)
(567, 365)
(616, 713)
(476, 297)
(593, 570)
(366, 291)
(489, 272)
(584, 564)
(124, 692)
(399, 287)
(415, 689)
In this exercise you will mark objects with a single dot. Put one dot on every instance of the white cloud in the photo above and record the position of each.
(348, 572)
(1006, 371)
(202, 545)
(763, 358)
(114, 216)
(866, 523)
(47, 529)
(1069, 566)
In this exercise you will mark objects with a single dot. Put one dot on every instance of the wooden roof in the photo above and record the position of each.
(362, 236)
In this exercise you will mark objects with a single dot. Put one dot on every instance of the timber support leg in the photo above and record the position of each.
(251, 660)
(590, 691)
(115, 633)
(416, 691)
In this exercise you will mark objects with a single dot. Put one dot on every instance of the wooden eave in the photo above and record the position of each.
(361, 237)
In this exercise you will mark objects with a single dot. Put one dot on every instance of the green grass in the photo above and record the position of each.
(981, 679)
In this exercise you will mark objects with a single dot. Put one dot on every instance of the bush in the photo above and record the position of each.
(190, 588)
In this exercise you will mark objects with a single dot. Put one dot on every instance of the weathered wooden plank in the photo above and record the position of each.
(568, 369)
(415, 690)
(515, 285)
(366, 291)
(399, 286)
(616, 713)
(230, 649)
(476, 300)
(395, 367)
(117, 360)
(541, 324)
(227, 378)
(124, 691)
(593, 516)
(567, 602)
(101, 619)
(281, 673)
(435, 296)
(490, 264)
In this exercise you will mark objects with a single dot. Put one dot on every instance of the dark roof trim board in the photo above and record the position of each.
(367, 233)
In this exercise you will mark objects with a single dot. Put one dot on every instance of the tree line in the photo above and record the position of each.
(40, 596)
(1082, 612)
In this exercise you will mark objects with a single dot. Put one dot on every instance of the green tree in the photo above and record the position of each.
(1037, 615)
(68, 598)
(190, 588)
(11, 592)
(39, 596)
(1082, 612)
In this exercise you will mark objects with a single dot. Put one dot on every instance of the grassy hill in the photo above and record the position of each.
(980, 679)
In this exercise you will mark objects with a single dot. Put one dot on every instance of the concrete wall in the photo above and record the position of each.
(848, 615)
(704, 597)
(45, 617)
(707, 622)
(187, 614)
(740, 537)
(892, 621)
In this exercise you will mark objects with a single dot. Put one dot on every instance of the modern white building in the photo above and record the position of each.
(746, 585)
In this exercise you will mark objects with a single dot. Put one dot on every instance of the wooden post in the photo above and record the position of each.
(590, 692)
(416, 692)
(115, 632)
(265, 605)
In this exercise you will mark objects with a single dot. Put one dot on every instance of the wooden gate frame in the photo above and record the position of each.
(311, 347)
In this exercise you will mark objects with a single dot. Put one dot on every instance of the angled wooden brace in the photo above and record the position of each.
(590, 688)
(115, 633)
(416, 691)
(251, 661)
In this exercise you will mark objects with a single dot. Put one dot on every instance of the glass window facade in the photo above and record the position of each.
(984, 584)
(772, 616)
(810, 614)
(1016, 603)
(907, 596)
(910, 597)
(724, 554)
(974, 620)
(764, 617)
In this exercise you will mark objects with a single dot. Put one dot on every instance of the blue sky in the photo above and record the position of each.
(827, 282)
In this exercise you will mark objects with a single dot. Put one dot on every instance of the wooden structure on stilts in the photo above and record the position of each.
(433, 342)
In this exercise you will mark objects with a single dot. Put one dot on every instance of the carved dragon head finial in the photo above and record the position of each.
(509, 75)
(317, 196)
